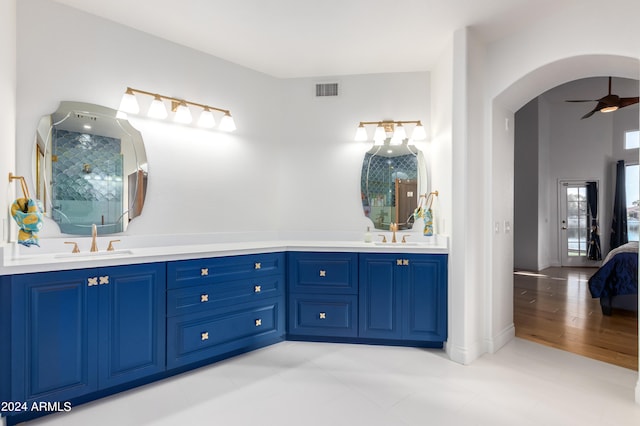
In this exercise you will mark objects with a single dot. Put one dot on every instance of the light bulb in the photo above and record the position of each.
(129, 103)
(206, 119)
(380, 135)
(227, 124)
(400, 133)
(418, 133)
(361, 133)
(157, 108)
(183, 114)
(609, 109)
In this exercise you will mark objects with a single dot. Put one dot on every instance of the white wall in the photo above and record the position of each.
(320, 172)
(7, 118)
(224, 181)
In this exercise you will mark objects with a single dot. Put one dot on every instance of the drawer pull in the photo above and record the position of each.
(104, 280)
(405, 262)
(323, 273)
(92, 281)
(323, 315)
(399, 262)
(257, 265)
(257, 289)
(204, 298)
(204, 335)
(204, 271)
(258, 322)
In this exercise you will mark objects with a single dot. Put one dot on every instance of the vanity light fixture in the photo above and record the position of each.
(395, 128)
(180, 108)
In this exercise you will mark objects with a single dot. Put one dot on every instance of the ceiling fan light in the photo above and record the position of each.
(609, 108)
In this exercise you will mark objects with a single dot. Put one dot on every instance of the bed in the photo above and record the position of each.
(616, 281)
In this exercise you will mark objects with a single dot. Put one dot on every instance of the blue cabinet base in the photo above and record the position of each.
(360, 341)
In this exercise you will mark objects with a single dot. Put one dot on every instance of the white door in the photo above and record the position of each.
(574, 223)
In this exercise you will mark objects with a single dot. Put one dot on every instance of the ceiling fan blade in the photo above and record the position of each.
(628, 101)
(593, 111)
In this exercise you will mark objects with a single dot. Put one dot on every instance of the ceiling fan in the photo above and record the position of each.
(607, 103)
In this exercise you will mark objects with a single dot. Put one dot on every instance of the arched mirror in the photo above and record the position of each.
(90, 168)
(393, 177)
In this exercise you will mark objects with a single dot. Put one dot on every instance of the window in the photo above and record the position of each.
(632, 183)
(632, 139)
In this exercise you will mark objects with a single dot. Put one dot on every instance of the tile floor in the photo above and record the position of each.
(299, 383)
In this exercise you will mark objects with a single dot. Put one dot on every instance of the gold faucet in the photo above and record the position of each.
(393, 227)
(94, 234)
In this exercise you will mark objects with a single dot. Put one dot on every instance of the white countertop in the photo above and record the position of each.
(55, 255)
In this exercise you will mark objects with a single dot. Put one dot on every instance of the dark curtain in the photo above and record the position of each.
(593, 251)
(619, 224)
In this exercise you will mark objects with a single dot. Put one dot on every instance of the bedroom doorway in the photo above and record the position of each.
(574, 219)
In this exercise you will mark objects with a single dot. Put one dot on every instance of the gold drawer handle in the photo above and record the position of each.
(405, 262)
(323, 315)
(204, 271)
(257, 289)
(204, 335)
(399, 262)
(258, 322)
(104, 280)
(92, 281)
(257, 265)
(323, 273)
(204, 298)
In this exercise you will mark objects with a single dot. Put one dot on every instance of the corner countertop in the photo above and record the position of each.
(56, 256)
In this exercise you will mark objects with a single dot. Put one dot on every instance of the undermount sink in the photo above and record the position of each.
(93, 254)
(396, 244)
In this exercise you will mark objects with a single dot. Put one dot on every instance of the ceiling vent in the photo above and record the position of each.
(326, 89)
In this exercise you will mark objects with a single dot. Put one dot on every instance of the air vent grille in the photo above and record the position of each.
(326, 89)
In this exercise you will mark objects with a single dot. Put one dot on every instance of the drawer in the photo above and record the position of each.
(196, 337)
(186, 273)
(215, 295)
(328, 315)
(324, 273)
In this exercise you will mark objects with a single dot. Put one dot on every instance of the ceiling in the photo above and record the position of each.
(313, 38)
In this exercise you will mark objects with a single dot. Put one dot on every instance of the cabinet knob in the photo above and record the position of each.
(92, 281)
(258, 322)
(257, 265)
(204, 271)
(204, 298)
(323, 315)
(104, 280)
(257, 289)
(399, 262)
(204, 335)
(323, 273)
(405, 262)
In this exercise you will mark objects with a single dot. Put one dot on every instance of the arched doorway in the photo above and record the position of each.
(503, 106)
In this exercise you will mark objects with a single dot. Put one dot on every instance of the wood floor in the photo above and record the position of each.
(554, 307)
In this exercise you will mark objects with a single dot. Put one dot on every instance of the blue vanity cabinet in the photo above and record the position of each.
(76, 332)
(224, 305)
(403, 297)
(323, 295)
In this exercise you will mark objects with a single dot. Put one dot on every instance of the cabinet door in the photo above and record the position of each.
(53, 336)
(131, 322)
(425, 303)
(379, 297)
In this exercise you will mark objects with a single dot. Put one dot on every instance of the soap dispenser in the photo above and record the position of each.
(367, 235)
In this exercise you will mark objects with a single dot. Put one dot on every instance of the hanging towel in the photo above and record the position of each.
(28, 216)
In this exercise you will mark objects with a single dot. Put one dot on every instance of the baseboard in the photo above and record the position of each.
(464, 355)
(638, 392)
(496, 342)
